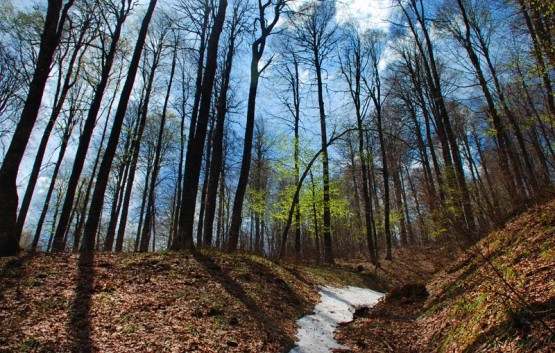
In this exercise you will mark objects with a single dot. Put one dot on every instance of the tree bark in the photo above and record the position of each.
(97, 200)
(184, 237)
(257, 50)
(86, 134)
(50, 38)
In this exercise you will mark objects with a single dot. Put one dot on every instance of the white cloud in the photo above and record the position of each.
(43, 183)
(368, 14)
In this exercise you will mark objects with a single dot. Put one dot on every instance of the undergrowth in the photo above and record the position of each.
(491, 299)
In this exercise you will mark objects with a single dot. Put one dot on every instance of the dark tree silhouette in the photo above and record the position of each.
(264, 28)
(184, 237)
(97, 200)
(56, 16)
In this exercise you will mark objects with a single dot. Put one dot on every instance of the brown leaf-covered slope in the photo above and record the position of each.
(149, 303)
(174, 302)
(498, 297)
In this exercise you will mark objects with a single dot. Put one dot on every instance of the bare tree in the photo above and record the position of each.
(158, 154)
(56, 16)
(264, 28)
(69, 124)
(78, 41)
(97, 200)
(236, 26)
(418, 22)
(356, 63)
(313, 28)
(120, 14)
(184, 237)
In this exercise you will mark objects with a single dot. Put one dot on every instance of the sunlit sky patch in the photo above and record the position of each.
(368, 14)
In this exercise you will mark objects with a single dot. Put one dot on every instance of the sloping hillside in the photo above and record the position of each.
(499, 297)
(174, 302)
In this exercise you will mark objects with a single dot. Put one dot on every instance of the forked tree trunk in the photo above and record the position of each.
(257, 50)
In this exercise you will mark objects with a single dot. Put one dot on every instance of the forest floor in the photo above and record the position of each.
(216, 302)
(499, 296)
(174, 302)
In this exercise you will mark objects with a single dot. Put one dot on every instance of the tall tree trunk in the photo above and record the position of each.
(200, 72)
(484, 49)
(86, 134)
(456, 177)
(144, 208)
(408, 222)
(50, 38)
(372, 189)
(54, 218)
(221, 210)
(354, 180)
(385, 176)
(505, 152)
(538, 54)
(295, 80)
(257, 50)
(136, 147)
(63, 147)
(216, 162)
(353, 75)
(97, 200)
(157, 160)
(399, 206)
(328, 244)
(414, 66)
(204, 192)
(179, 181)
(236, 217)
(193, 163)
(117, 202)
(61, 94)
(415, 197)
(315, 216)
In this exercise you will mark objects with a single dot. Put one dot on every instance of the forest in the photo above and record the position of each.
(302, 129)
(301, 176)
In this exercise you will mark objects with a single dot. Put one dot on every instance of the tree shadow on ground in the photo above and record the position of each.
(12, 271)
(523, 323)
(335, 296)
(79, 319)
(267, 272)
(369, 280)
(458, 285)
(269, 323)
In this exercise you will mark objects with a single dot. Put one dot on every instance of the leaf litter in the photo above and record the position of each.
(175, 302)
(499, 297)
